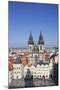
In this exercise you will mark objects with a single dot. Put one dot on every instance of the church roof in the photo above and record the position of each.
(35, 48)
(43, 63)
(30, 41)
(41, 41)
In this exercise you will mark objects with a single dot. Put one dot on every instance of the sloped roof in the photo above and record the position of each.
(35, 48)
(41, 41)
(30, 41)
(43, 63)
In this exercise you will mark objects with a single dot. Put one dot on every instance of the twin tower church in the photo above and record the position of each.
(37, 65)
(36, 51)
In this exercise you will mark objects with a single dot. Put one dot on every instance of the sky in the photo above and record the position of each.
(24, 18)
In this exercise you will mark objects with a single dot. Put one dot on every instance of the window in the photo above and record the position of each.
(40, 47)
(40, 75)
(15, 72)
(17, 67)
(30, 48)
(43, 77)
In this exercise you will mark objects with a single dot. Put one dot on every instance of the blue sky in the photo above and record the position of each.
(31, 17)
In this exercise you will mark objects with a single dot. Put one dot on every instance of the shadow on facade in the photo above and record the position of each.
(55, 74)
(28, 79)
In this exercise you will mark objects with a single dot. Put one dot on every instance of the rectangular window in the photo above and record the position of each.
(17, 67)
(15, 72)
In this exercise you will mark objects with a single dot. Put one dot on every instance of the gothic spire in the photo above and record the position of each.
(30, 41)
(41, 41)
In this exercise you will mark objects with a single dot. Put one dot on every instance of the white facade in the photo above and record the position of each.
(17, 71)
(43, 71)
(40, 71)
(36, 68)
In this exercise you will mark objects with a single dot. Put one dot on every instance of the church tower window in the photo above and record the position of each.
(30, 48)
(40, 47)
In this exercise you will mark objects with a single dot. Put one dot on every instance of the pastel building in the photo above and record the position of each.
(40, 71)
(33, 64)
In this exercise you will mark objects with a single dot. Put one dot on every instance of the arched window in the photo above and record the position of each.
(40, 47)
(46, 76)
(30, 48)
(43, 77)
(40, 75)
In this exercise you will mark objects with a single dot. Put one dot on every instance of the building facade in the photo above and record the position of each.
(34, 64)
(17, 69)
(36, 51)
(39, 71)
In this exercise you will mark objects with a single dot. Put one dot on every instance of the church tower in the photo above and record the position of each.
(30, 46)
(30, 42)
(41, 47)
(41, 43)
